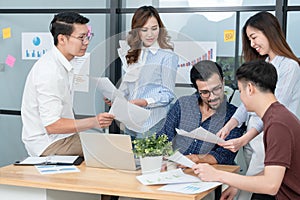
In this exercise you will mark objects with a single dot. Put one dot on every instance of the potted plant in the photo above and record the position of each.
(151, 150)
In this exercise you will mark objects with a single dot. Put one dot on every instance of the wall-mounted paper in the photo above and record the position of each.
(81, 72)
(229, 36)
(34, 45)
(10, 60)
(6, 33)
(191, 52)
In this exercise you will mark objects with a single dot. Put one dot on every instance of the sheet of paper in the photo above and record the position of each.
(56, 169)
(10, 60)
(36, 44)
(108, 89)
(168, 177)
(34, 160)
(131, 115)
(201, 134)
(181, 159)
(81, 73)
(62, 159)
(48, 159)
(6, 33)
(190, 188)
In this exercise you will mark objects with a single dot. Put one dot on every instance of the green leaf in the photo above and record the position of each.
(153, 146)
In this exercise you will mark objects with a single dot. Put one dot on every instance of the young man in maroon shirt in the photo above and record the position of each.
(281, 174)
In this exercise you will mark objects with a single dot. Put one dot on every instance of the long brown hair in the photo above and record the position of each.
(269, 25)
(139, 19)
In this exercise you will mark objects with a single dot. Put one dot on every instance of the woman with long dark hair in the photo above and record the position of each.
(263, 39)
(150, 67)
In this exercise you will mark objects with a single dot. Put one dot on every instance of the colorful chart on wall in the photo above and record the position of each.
(191, 52)
(34, 45)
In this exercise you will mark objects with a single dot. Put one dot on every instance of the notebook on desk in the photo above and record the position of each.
(51, 160)
(108, 151)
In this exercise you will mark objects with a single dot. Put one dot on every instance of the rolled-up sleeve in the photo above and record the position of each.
(165, 94)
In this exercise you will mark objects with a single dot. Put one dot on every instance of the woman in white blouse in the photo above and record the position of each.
(263, 39)
(150, 69)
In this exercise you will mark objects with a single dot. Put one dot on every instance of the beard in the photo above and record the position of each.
(214, 104)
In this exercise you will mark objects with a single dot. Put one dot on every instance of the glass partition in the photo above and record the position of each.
(197, 3)
(53, 4)
(293, 31)
(202, 27)
(293, 3)
(12, 80)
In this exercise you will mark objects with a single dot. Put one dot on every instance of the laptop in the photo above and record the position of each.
(108, 151)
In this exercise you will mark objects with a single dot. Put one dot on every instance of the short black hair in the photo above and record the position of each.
(261, 73)
(62, 23)
(203, 70)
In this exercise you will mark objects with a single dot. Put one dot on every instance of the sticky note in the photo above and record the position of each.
(6, 33)
(10, 60)
(229, 35)
(90, 30)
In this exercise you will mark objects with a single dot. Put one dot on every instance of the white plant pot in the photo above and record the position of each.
(151, 164)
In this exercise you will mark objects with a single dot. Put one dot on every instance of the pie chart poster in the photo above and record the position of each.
(35, 45)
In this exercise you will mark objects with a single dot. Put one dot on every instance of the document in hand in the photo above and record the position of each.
(131, 115)
(51, 160)
(201, 134)
(108, 89)
(177, 157)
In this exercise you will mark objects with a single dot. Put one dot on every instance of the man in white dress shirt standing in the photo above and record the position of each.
(49, 126)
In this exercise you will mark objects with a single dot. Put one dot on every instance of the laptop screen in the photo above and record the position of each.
(108, 150)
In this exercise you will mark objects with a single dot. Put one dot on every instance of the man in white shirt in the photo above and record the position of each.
(49, 126)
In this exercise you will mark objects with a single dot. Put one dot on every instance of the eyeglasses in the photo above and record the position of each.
(216, 91)
(83, 38)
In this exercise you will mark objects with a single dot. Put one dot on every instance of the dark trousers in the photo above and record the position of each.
(256, 196)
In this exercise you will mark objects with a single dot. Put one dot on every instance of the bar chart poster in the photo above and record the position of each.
(35, 45)
(189, 53)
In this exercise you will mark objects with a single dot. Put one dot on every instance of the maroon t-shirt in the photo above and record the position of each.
(282, 147)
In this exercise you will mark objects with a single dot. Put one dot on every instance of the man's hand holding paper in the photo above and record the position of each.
(107, 88)
(131, 115)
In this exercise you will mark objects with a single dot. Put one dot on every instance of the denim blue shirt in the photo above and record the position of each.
(186, 115)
